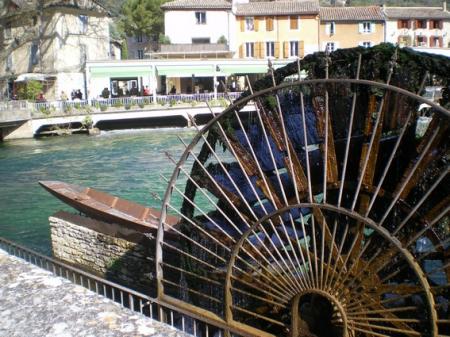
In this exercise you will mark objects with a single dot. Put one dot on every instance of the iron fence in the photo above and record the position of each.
(126, 297)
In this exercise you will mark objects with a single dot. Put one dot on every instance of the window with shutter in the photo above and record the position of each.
(249, 24)
(256, 23)
(277, 49)
(269, 23)
(293, 22)
(270, 49)
(293, 49)
(301, 48)
(249, 49)
(242, 22)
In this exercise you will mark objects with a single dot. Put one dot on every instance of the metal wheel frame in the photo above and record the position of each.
(228, 323)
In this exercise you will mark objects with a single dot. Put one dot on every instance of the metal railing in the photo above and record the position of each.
(127, 298)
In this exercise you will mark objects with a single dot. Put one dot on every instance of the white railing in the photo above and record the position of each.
(99, 105)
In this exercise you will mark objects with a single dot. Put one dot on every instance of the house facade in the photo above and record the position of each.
(276, 30)
(51, 43)
(200, 23)
(347, 27)
(418, 26)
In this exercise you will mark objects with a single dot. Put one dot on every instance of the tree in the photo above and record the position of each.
(142, 17)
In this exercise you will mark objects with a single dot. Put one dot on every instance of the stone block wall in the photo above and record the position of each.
(108, 250)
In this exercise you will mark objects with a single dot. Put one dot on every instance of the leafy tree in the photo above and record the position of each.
(30, 90)
(142, 16)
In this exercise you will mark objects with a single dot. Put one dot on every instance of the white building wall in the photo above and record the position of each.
(181, 26)
(393, 32)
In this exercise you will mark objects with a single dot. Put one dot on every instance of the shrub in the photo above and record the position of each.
(117, 104)
(172, 102)
(194, 103)
(127, 106)
(30, 90)
(47, 111)
(77, 106)
(67, 108)
(87, 122)
(141, 105)
(103, 107)
(222, 39)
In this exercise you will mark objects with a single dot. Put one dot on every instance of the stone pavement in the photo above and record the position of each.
(35, 303)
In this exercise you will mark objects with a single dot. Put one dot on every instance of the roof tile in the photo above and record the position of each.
(416, 13)
(197, 4)
(373, 13)
(285, 7)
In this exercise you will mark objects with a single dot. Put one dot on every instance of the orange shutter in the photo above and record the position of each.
(286, 49)
(241, 51)
(242, 24)
(441, 42)
(257, 49)
(293, 22)
(269, 23)
(256, 23)
(277, 49)
(301, 48)
(262, 50)
(399, 24)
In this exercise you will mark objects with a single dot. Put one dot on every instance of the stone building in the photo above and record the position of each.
(50, 41)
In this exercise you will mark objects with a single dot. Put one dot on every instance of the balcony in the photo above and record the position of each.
(193, 50)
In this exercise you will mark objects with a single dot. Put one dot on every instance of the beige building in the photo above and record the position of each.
(347, 27)
(279, 30)
(50, 42)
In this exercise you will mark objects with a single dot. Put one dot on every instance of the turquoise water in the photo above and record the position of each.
(124, 163)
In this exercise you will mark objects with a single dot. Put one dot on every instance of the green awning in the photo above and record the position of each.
(185, 71)
(121, 71)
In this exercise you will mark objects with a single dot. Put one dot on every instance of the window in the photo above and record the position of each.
(366, 27)
(436, 24)
(421, 24)
(7, 32)
(139, 38)
(201, 40)
(366, 44)
(34, 57)
(332, 28)
(269, 23)
(293, 22)
(200, 18)
(249, 49)
(83, 23)
(330, 47)
(293, 48)
(436, 41)
(270, 49)
(9, 62)
(140, 54)
(403, 24)
(249, 24)
(422, 41)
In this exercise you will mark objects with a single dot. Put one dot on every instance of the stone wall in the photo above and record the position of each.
(109, 250)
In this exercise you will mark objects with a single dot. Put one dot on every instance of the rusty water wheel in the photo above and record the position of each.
(322, 213)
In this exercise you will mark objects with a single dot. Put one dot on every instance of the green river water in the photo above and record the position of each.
(127, 164)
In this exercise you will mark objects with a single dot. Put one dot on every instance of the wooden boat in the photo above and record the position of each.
(108, 208)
